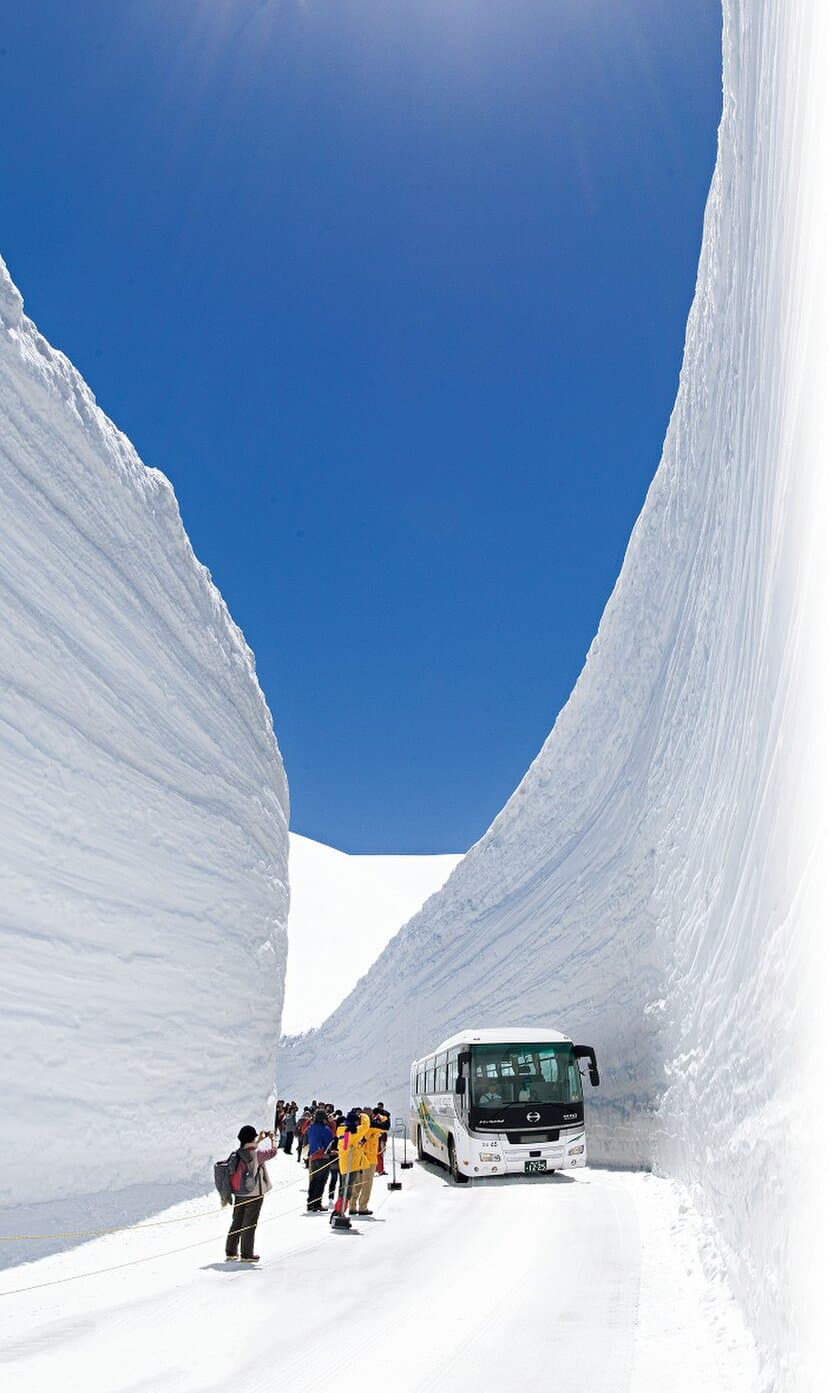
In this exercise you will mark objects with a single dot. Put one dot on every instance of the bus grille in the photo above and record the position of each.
(530, 1138)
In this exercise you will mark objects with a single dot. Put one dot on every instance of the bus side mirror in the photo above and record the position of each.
(586, 1052)
(460, 1084)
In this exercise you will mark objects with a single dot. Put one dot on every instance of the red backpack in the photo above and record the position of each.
(238, 1173)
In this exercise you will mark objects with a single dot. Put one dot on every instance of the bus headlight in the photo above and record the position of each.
(487, 1156)
(576, 1150)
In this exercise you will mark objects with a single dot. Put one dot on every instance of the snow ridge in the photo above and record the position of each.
(643, 887)
(144, 809)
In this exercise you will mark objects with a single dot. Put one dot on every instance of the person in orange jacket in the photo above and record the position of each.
(380, 1121)
(350, 1137)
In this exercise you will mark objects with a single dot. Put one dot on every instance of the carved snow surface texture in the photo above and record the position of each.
(143, 812)
(639, 890)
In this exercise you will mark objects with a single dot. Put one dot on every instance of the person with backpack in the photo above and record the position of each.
(249, 1184)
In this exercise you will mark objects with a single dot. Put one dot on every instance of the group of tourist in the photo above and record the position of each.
(342, 1153)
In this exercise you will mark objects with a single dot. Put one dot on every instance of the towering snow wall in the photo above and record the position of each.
(143, 813)
(642, 889)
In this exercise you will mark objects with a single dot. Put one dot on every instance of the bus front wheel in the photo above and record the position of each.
(421, 1154)
(458, 1178)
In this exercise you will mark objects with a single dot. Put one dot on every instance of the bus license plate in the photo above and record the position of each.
(531, 1167)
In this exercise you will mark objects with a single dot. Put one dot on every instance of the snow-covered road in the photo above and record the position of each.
(598, 1281)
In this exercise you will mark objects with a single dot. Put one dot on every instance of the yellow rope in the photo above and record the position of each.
(156, 1257)
(127, 1228)
(98, 1233)
(136, 1262)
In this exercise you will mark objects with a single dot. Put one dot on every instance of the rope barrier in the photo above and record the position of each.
(172, 1252)
(99, 1233)
(136, 1262)
(103, 1271)
(122, 1228)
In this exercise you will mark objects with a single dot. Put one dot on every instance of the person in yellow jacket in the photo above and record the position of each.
(350, 1139)
(379, 1124)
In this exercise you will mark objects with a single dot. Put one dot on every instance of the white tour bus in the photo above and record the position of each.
(499, 1102)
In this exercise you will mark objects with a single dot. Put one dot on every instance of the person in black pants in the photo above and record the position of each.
(332, 1153)
(289, 1125)
(321, 1138)
(243, 1230)
(253, 1185)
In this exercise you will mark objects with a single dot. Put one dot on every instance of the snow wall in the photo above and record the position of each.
(643, 888)
(143, 816)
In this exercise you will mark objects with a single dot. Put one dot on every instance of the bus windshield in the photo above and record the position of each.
(505, 1074)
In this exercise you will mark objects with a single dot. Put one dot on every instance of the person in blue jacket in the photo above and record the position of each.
(321, 1137)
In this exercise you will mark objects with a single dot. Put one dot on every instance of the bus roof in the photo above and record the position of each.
(502, 1035)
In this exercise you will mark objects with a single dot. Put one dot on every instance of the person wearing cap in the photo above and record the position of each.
(255, 1184)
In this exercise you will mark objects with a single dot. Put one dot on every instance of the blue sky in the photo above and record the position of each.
(395, 293)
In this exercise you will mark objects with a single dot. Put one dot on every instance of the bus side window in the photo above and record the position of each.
(451, 1070)
(440, 1073)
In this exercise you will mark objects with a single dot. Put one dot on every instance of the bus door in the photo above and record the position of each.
(460, 1066)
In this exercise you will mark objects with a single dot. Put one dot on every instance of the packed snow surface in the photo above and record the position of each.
(594, 1282)
(643, 889)
(143, 817)
(343, 911)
